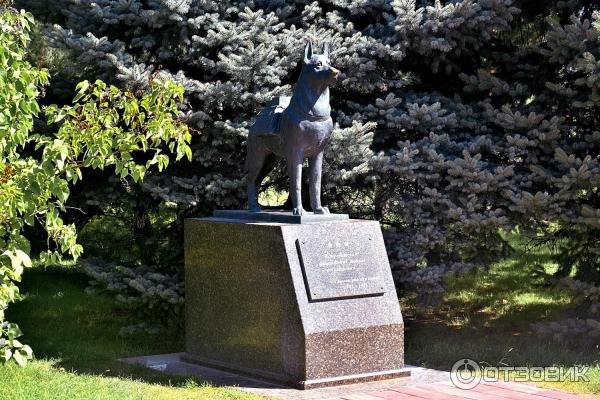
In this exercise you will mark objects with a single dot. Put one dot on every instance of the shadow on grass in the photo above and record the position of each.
(487, 316)
(80, 332)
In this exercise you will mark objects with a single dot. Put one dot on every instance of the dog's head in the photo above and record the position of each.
(317, 66)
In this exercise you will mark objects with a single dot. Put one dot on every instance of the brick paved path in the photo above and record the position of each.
(422, 384)
(445, 391)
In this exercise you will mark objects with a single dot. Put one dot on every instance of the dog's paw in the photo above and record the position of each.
(255, 208)
(298, 211)
(322, 210)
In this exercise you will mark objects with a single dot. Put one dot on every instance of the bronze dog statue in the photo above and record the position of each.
(295, 128)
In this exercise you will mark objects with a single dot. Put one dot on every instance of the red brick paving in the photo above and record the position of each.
(450, 389)
(422, 384)
(555, 394)
(508, 392)
(551, 393)
(360, 396)
(388, 395)
(393, 395)
(427, 392)
(542, 392)
(483, 391)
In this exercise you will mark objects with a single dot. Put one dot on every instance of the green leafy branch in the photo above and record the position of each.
(104, 126)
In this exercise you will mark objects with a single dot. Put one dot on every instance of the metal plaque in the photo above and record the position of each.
(343, 266)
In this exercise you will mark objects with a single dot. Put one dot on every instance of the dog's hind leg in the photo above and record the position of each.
(255, 158)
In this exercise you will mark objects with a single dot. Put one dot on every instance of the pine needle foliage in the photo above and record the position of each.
(454, 118)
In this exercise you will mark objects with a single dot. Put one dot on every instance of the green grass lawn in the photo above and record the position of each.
(75, 339)
(487, 316)
(483, 316)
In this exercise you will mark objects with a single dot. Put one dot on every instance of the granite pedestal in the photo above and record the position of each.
(305, 304)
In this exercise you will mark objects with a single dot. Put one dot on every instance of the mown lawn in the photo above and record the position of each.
(485, 317)
(75, 339)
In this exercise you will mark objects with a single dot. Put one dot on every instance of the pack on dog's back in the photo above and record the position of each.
(268, 120)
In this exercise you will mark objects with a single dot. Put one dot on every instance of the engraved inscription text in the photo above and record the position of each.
(340, 268)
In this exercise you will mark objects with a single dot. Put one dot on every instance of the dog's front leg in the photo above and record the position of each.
(315, 165)
(294, 161)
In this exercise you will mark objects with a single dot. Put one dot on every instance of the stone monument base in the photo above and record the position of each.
(278, 216)
(305, 304)
(304, 385)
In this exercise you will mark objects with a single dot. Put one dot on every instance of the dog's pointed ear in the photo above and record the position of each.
(308, 52)
(326, 49)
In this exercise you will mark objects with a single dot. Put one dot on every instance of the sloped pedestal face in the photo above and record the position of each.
(304, 304)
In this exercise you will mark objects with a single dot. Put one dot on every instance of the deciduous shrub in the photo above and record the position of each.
(104, 127)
